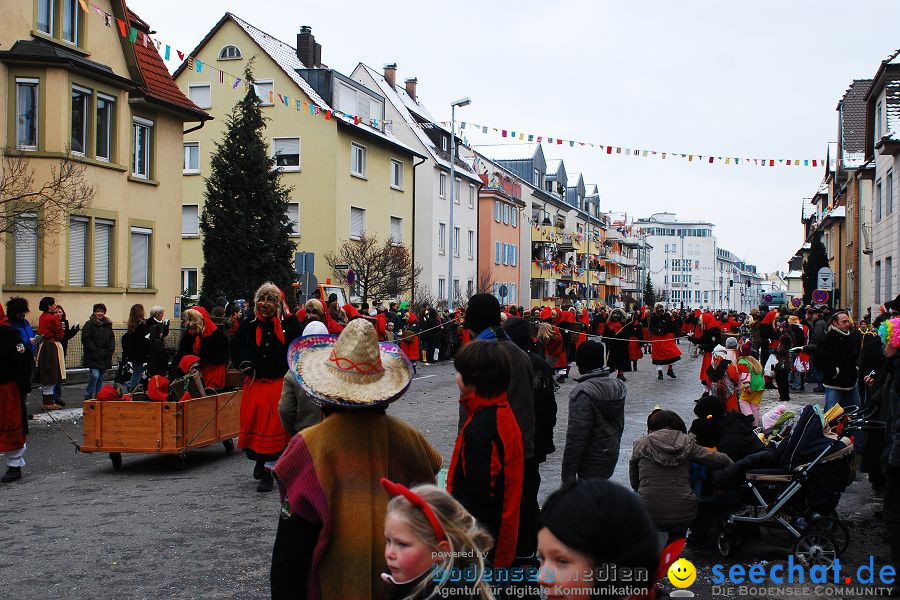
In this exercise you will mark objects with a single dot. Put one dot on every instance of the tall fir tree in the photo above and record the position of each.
(649, 294)
(816, 259)
(244, 222)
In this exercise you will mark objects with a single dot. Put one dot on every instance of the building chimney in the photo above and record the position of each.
(411, 87)
(390, 74)
(317, 56)
(306, 47)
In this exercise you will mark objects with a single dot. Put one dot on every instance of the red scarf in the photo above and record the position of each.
(4, 320)
(208, 328)
(276, 325)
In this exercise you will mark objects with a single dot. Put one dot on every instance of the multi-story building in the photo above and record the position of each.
(882, 147)
(76, 88)
(411, 122)
(348, 175)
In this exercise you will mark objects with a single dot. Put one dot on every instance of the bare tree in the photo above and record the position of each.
(485, 282)
(382, 269)
(63, 193)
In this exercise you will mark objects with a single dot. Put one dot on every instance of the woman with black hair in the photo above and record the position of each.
(598, 528)
(51, 361)
(660, 468)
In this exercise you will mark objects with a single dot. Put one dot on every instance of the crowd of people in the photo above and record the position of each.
(318, 380)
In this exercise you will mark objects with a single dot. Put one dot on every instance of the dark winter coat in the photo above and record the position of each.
(137, 347)
(596, 422)
(730, 434)
(544, 393)
(660, 472)
(99, 342)
(158, 354)
(269, 357)
(213, 348)
(837, 357)
(16, 366)
(662, 324)
(617, 355)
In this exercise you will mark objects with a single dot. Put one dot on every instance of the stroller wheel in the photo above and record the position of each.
(834, 528)
(728, 542)
(815, 548)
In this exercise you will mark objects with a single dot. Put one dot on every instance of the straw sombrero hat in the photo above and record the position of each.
(352, 370)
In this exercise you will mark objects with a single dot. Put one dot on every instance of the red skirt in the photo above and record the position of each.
(261, 428)
(12, 421)
(704, 365)
(664, 350)
(214, 375)
(634, 349)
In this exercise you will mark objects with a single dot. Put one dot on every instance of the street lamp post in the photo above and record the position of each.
(461, 102)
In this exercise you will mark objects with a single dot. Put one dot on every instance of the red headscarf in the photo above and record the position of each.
(276, 322)
(4, 320)
(208, 327)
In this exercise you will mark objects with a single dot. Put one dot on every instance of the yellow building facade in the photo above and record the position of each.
(74, 88)
(346, 177)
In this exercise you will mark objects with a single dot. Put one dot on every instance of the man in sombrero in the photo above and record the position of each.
(330, 540)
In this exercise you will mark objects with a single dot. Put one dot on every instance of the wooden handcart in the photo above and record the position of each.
(161, 427)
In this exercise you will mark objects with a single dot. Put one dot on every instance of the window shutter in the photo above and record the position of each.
(140, 257)
(496, 253)
(357, 221)
(190, 221)
(396, 230)
(102, 234)
(201, 95)
(77, 245)
(26, 249)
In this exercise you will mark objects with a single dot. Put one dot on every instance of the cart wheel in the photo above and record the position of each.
(180, 461)
(229, 447)
(815, 548)
(728, 542)
(116, 459)
(834, 528)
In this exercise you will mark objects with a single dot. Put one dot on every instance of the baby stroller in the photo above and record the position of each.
(790, 492)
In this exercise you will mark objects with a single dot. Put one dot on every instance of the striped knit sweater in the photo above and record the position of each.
(329, 474)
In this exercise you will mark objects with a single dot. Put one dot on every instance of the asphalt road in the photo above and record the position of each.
(75, 528)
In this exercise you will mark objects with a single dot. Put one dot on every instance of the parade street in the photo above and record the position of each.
(79, 529)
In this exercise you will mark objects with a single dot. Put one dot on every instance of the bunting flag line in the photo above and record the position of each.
(194, 63)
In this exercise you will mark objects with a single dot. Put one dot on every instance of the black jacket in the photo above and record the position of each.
(157, 353)
(213, 348)
(269, 358)
(661, 324)
(136, 347)
(837, 357)
(596, 423)
(99, 343)
(16, 366)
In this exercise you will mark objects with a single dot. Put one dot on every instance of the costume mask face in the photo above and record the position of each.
(266, 307)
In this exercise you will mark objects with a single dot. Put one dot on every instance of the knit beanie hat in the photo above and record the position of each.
(589, 356)
(604, 521)
(482, 312)
(745, 349)
(709, 406)
(731, 343)
(519, 331)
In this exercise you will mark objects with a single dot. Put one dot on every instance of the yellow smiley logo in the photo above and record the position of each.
(682, 573)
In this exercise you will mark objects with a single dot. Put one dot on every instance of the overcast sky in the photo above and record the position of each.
(750, 79)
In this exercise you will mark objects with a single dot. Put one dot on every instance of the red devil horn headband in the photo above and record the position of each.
(395, 489)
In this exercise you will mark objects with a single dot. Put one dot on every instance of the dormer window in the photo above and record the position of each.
(230, 53)
(444, 142)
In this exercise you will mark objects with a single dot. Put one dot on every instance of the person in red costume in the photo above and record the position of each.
(202, 338)
(51, 362)
(664, 350)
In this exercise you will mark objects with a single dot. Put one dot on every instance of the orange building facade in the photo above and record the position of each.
(500, 209)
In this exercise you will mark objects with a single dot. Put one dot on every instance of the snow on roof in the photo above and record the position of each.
(838, 213)
(405, 105)
(591, 190)
(285, 56)
(508, 151)
(892, 108)
(573, 179)
(809, 209)
(795, 274)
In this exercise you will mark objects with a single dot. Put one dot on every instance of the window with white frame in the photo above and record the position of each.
(396, 230)
(200, 94)
(357, 159)
(889, 199)
(444, 143)
(505, 253)
(140, 257)
(102, 251)
(877, 201)
(286, 152)
(470, 288)
(78, 237)
(189, 282)
(27, 113)
(396, 174)
(357, 222)
(142, 134)
(46, 16)
(514, 216)
(442, 185)
(25, 248)
(456, 188)
(191, 158)
(442, 238)
(105, 127)
(498, 211)
(471, 244)
(80, 102)
(442, 288)
(879, 115)
(471, 195)
(456, 290)
(456, 242)
(230, 53)
(190, 221)
(506, 214)
(293, 215)
(266, 90)
(536, 178)
(71, 21)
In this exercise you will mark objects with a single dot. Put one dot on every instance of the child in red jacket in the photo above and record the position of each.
(486, 470)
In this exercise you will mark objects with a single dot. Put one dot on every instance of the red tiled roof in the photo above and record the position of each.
(158, 83)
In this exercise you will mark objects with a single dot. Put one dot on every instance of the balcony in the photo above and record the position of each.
(601, 277)
(614, 281)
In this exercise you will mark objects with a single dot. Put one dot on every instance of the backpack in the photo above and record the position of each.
(757, 380)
